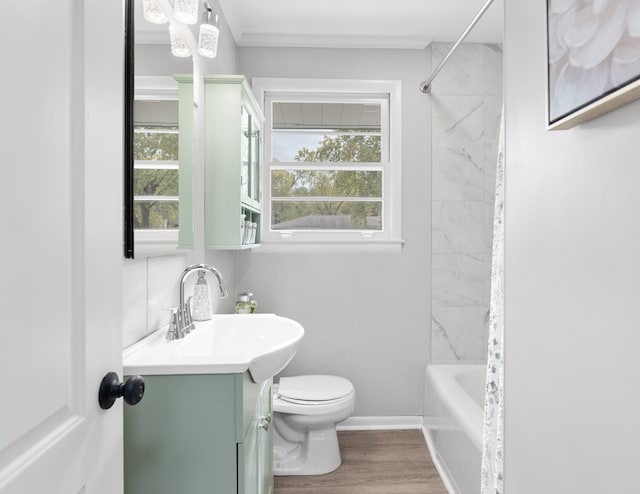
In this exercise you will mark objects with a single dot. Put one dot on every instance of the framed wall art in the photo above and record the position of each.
(593, 58)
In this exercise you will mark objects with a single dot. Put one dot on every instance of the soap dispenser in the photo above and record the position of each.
(245, 303)
(202, 310)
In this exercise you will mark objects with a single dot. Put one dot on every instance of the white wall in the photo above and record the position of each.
(572, 238)
(366, 316)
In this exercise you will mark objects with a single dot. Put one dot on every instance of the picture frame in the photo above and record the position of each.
(593, 59)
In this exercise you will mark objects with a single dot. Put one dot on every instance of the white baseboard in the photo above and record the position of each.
(381, 423)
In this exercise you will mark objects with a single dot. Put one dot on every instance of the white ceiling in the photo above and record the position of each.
(359, 23)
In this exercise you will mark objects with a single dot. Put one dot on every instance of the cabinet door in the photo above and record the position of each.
(248, 467)
(265, 444)
(245, 151)
(255, 474)
(254, 163)
(251, 153)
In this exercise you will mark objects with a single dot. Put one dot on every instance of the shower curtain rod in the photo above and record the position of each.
(425, 87)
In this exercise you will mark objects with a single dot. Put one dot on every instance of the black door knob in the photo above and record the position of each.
(111, 389)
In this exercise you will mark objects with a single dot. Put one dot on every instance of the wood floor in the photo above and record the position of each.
(373, 462)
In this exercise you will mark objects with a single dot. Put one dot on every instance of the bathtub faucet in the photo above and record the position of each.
(184, 321)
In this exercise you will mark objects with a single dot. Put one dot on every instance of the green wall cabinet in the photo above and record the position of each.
(233, 156)
(200, 434)
(185, 157)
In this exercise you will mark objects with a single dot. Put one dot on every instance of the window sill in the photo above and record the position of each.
(330, 247)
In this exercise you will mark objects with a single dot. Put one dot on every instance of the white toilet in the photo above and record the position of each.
(306, 411)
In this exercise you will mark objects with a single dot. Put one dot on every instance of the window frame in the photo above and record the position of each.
(388, 93)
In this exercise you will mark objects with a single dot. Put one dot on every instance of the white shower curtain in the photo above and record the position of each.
(493, 433)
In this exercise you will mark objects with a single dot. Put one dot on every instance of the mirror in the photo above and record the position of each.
(152, 170)
(129, 74)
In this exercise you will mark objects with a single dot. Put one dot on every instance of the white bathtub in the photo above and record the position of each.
(454, 401)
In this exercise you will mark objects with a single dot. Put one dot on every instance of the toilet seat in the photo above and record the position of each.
(313, 395)
(313, 389)
(309, 402)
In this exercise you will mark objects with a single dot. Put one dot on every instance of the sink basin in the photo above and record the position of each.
(263, 344)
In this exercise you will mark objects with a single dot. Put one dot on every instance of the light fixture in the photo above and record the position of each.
(178, 46)
(209, 33)
(152, 12)
(186, 11)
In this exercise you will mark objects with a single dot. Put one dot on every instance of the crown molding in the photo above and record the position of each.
(332, 41)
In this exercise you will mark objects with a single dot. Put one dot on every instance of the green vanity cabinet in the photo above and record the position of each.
(200, 434)
(233, 125)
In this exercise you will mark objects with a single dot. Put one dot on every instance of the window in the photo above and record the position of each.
(156, 167)
(332, 161)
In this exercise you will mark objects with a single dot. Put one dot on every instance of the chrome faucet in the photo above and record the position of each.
(182, 324)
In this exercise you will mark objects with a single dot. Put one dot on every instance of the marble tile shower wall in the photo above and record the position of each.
(466, 107)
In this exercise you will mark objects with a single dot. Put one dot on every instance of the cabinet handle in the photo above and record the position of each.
(263, 422)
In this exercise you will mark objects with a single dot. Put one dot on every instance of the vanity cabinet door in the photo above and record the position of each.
(248, 466)
(182, 437)
(265, 444)
(199, 434)
(255, 453)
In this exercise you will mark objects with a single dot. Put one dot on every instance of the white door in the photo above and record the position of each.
(61, 245)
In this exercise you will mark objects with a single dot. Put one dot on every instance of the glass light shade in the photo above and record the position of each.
(186, 11)
(178, 46)
(152, 12)
(208, 40)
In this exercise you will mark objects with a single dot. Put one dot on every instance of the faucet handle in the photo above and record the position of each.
(173, 310)
(174, 332)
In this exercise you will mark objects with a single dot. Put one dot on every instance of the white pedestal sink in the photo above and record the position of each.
(263, 344)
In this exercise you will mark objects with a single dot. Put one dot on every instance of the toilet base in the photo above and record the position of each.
(317, 455)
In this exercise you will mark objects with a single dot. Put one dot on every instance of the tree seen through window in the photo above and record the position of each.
(333, 198)
(156, 178)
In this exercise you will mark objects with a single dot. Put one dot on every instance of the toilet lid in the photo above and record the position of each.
(315, 388)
